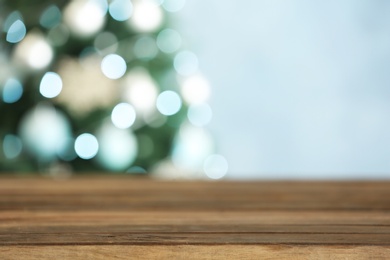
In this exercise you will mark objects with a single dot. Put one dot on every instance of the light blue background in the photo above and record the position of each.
(301, 89)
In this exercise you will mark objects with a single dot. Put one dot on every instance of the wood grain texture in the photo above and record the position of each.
(118, 217)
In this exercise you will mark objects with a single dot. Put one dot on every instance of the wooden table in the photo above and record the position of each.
(130, 218)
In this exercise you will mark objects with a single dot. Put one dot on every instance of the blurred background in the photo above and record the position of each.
(196, 89)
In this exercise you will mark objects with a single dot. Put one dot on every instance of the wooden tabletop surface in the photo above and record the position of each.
(132, 218)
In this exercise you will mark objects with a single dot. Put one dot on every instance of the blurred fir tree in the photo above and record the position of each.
(41, 114)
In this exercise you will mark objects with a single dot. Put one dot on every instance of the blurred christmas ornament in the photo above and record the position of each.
(85, 88)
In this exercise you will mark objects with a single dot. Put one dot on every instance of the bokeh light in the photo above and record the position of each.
(16, 32)
(120, 10)
(44, 131)
(12, 146)
(145, 48)
(199, 114)
(215, 166)
(168, 103)
(113, 66)
(195, 89)
(136, 170)
(34, 51)
(191, 147)
(123, 115)
(12, 90)
(140, 90)
(147, 16)
(117, 147)
(169, 40)
(51, 85)
(106, 42)
(11, 19)
(85, 17)
(59, 35)
(173, 5)
(86, 146)
(186, 63)
(51, 17)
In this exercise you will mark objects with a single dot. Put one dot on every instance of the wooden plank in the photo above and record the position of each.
(23, 218)
(193, 238)
(121, 194)
(197, 252)
(187, 228)
(113, 216)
